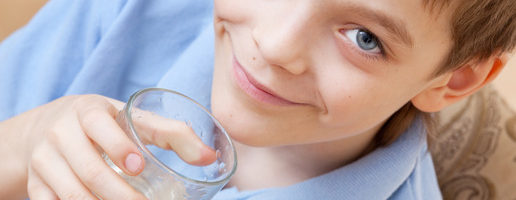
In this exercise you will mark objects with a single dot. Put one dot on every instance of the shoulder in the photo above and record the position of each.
(68, 44)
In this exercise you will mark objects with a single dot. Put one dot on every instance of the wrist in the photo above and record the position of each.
(13, 169)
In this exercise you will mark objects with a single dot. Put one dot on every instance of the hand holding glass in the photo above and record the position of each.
(166, 176)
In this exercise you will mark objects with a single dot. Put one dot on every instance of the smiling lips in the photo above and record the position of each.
(254, 89)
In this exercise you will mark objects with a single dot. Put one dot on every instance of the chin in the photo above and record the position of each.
(239, 125)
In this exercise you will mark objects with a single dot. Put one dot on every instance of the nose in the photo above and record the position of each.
(283, 38)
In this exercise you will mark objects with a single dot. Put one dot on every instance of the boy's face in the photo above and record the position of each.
(305, 71)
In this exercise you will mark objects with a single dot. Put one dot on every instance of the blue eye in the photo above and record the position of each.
(364, 40)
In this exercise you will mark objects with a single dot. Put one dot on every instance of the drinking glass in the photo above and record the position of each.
(165, 175)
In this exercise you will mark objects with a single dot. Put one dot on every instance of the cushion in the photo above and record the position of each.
(474, 148)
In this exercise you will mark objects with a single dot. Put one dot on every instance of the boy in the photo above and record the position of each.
(318, 95)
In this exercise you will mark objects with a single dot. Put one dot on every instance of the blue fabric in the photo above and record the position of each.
(402, 170)
(112, 48)
(116, 47)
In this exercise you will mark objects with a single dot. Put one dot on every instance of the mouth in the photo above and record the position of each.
(255, 89)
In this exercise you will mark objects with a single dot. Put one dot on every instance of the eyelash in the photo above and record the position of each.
(380, 56)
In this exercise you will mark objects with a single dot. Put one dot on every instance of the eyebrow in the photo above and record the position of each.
(395, 26)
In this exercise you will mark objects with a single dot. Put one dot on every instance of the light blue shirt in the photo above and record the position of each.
(116, 47)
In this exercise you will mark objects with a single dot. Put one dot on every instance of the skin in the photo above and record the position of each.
(302, 51)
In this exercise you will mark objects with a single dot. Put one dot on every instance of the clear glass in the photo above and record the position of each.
(165, 175)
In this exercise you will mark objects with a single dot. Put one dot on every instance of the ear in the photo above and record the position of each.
(459, 84)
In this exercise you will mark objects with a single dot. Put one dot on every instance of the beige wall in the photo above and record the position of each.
(15, 13)
(506, 83)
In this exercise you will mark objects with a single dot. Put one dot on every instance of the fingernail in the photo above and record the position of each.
(133, 162)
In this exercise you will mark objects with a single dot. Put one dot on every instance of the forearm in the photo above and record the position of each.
(13, 168)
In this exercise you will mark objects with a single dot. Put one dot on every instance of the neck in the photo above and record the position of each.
(264, 167)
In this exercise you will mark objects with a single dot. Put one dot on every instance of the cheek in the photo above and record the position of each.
(359, 101)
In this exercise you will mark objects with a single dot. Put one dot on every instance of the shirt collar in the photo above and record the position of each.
(375, 176)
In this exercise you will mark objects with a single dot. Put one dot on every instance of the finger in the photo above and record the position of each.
(97, 121)
(48, 165)
(37, 189)
(117, 104)
(172, 134)
(90, 167)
